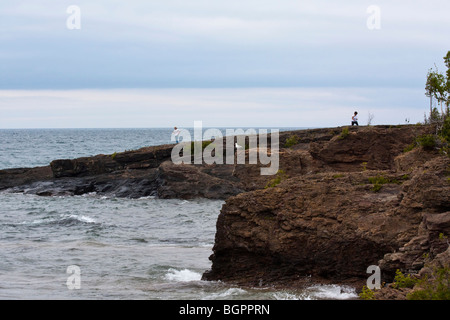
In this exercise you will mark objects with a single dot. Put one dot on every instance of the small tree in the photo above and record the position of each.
(437, 86)
(441, 90)
(447, 83)
(430, 87)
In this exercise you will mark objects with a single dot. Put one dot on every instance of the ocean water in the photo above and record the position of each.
(94, 247)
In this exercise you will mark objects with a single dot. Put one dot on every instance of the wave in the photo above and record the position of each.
(319, 292)
(227, 294)
(64, 219)
(331, 292)
(81, 218)
(184, 275)
(290, 296)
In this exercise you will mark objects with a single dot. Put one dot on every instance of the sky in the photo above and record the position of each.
(264, 63)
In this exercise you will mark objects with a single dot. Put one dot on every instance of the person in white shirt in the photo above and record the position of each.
(176, 133)
(355, 119)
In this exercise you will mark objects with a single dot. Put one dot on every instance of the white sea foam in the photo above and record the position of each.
(146, 198)
(78, 217)
(89, 194)
(231, 292)
(38, 221)
(290, 296)
(332, 292)
(184, 275)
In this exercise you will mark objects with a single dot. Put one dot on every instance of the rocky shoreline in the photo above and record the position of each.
(344, 199)
(144, 172)
(355, 200)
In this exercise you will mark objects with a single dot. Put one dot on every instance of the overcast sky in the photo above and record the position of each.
(267, 63)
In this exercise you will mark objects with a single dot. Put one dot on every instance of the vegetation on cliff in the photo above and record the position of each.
(437, 87)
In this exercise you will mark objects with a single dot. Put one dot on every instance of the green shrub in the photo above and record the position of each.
(434, 116)
(379, 179)
(402, 281)
(378, 182)
(435, 288)
(364, 166)
(427, 141)
(444, 134)
(345, 132)
(376, 187)
(291, 141)
(410, 147)
(367, 294)
(281, 175)
(445, 131)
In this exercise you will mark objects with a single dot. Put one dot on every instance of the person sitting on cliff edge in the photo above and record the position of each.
(355, 119)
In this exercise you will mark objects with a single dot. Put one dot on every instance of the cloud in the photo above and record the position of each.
(199, 43)
(231, 63)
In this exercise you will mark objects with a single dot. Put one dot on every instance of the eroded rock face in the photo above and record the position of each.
(192, 181)
(22, 176)
(334, 224)
(427, 194)
(145, 158)
(376, 147)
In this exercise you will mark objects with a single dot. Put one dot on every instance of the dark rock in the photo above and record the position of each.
(325, 219)
(192, 181)
(10, 178)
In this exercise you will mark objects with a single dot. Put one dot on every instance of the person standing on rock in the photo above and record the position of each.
(176, 133)
(355, 119)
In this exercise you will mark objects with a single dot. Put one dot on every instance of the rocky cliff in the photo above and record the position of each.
(344, 199)
(343, 204)
(145, 172)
